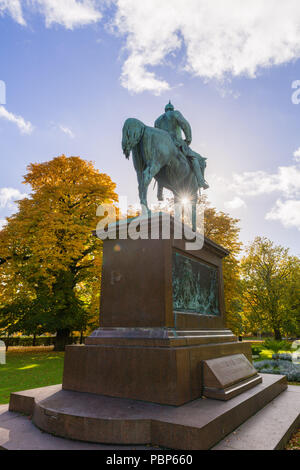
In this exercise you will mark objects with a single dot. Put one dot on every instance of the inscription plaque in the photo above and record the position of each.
(195, 286)
(228, 376)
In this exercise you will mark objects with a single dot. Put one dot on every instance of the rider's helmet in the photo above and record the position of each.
(169, 107)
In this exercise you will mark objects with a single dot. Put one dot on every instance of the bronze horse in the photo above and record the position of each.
(155, 155)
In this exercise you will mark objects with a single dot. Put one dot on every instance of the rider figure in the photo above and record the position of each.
(173, 122)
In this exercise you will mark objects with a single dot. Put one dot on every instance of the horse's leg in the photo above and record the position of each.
(194, 216)
(160, 192)
(138, 165)
(194, 212)
(143, 193)
(139, 175)
(148, 174)
(178, 212)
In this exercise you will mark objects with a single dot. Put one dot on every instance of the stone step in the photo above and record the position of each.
(234, 390)
(270, 428)
(17, 432)
(197, 425)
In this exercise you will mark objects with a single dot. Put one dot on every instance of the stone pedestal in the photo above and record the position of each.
(197, 425)
(162, 315)
(161, 347)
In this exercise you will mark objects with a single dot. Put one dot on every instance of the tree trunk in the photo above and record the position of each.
(277, 334)
(61, 340)
(34, 340)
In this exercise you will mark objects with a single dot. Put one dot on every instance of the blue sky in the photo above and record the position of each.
(75, 70)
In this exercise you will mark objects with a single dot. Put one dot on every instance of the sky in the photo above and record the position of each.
(72, 71)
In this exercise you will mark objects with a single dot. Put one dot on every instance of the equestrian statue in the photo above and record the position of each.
(160, 152)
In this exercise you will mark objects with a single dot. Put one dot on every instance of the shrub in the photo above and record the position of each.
(284, 357)
(267, 363)
(256, 349)
(276, 346)
(279, 366)
(39, 340)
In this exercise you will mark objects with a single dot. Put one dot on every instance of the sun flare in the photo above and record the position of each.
(185, 200)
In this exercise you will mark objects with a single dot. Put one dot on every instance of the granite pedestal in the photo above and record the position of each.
(197, 425)
(162, 348)
(154, 335)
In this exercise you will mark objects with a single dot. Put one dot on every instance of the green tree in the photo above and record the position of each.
(270, 285)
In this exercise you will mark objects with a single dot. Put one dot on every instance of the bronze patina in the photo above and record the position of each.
(160, 152)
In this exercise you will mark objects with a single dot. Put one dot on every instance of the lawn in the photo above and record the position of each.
(26, 370)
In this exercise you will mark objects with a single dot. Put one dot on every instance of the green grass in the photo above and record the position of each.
(26, 370)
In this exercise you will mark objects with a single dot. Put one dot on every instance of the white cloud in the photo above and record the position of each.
(25, 127)
(297, 155)
(220, 39)
(9, 195)
(66, 130)
(13, 8)
(69, 13)
(286, 180)
(217, 39)
(235, 203)
(137, 79)
(287, 212)
(3, 222)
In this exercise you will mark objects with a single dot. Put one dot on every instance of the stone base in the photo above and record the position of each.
(198, 425)
(156, 365)
(230, 392)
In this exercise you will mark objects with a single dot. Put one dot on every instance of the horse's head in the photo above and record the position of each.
(132, 133)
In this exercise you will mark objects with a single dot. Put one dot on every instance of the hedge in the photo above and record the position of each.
(39, 340)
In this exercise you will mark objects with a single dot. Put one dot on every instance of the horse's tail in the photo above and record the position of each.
(132, 133)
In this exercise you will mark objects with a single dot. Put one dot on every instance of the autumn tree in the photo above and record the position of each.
(50, 262)
(271, 288)
(224, 230)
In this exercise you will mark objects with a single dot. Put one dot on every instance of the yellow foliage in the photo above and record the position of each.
(224, 230)
(52, 231)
